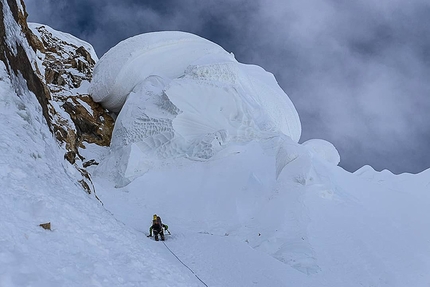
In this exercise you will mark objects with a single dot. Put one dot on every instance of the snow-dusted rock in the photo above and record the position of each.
(65, 66)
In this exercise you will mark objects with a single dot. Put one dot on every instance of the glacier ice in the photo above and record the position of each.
(179, 95)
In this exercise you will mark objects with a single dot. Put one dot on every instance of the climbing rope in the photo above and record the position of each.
(185, 264)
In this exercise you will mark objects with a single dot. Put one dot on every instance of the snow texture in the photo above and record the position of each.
(13, 31)
(183, 96)
(324, 149)
(327, 226)
(86, 246)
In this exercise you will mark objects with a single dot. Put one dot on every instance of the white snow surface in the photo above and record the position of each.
(87, 246)
(183, 96)
(327, 227)
(134, 59)
(13, 33)
(191, 60)
(324, 149)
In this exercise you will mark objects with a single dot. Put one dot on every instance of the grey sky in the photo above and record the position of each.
(357, 71)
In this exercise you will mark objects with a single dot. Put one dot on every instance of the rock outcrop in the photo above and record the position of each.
(57, 68)
(67, 69)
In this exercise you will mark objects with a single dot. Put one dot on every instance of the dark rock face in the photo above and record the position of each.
(57, 72)
(93, 126)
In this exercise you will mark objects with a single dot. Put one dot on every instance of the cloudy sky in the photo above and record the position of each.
(357, 71)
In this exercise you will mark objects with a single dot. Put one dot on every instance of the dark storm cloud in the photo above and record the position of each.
(105, 23)
(357, 71)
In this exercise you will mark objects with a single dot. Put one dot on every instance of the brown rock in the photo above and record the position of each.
(46, 225)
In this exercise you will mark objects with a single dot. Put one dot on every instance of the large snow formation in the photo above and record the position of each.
(183, 96)
(192, 60)
(191, 118)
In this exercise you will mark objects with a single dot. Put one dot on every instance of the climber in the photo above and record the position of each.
(157, 226)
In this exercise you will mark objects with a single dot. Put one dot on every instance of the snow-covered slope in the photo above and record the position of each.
(332, 228)
(246, 204)
(86, 246)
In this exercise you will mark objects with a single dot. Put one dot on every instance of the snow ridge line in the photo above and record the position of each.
(185, 264)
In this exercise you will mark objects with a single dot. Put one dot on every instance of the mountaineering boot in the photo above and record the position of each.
(162, 237)
(156, 237)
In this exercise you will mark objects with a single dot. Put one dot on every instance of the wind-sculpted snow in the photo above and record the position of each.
(323, 149)
(133, 60)
(184, 101)
(180, 95)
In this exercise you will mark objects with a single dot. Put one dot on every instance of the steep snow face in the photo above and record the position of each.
(13, 31)
(183, 96)
(86, 245)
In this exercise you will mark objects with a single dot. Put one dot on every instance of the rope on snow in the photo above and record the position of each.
(185, 264)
